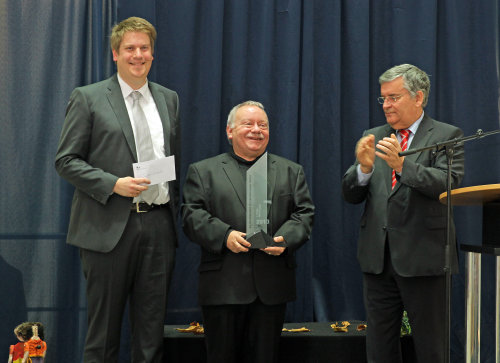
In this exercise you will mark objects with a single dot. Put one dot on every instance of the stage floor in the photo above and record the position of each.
(321, 344)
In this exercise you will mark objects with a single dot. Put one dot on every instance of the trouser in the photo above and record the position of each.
(139, 270)
(247, 333)
(386, 295)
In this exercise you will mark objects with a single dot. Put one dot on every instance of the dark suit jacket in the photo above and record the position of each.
(214, 202)
(410, 216)
(96, 148)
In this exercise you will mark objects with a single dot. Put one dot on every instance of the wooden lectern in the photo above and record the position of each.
(489, 197)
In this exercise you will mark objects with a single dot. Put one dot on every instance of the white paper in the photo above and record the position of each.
(158, 171)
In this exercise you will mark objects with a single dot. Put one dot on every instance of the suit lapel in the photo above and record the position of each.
(231, 169)
(161, 105)
(271, 179)
(115, 98)
(386, 170)
(421, 138)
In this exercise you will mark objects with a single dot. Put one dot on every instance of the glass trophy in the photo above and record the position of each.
(257, 205)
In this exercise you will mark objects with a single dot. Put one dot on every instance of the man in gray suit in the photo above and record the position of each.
(125, 229)
(243, 291)
(401, 247)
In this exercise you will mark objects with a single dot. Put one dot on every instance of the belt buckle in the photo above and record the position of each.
(138, 208)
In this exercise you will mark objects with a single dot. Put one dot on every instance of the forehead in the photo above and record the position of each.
(133, 38)
(251, 112)
(393, 87)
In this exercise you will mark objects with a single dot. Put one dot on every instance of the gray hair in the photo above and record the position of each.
(414, 79)
(232, 114)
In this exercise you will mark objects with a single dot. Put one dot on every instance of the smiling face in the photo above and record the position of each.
(402, 113)
(250, 134)
(134, 58)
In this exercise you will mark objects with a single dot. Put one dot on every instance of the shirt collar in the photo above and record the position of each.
(414, 127)
(240, 160)
(127, 90)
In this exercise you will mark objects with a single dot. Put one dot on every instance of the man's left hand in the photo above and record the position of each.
(275, 251)
(388, 149)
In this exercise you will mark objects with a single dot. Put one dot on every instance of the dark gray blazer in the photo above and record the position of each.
(96, 148)
(410, 215)
(214, 202)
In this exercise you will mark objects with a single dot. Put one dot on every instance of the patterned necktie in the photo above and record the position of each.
(143, 144)
(404, 145)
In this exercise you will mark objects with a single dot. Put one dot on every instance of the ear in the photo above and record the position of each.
(229, 132)
(115, 55)
(419, 98)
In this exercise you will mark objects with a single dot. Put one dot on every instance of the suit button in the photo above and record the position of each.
(384, 228)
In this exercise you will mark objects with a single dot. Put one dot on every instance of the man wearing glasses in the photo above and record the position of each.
(243, 290)
(401, 246)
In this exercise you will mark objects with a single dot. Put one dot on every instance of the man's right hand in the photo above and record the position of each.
(236, 243)
(130, 187)
(365, 153)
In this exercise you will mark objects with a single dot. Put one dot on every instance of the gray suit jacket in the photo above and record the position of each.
(214, 202)
(410, 216)
(96, 148)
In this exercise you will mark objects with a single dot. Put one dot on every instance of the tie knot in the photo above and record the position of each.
(136, 95)
(404, 133)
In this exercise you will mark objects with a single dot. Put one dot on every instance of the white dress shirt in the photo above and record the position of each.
(155, 126)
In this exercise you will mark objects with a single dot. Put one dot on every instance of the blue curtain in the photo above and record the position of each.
(50, 47)
(314, 64)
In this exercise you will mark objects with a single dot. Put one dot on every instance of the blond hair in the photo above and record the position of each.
(132, 24)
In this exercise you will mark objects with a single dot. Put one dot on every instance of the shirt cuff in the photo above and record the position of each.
(363, 179)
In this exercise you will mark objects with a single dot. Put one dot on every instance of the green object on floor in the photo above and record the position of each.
(405, 325)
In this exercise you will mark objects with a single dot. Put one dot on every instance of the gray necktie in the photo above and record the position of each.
(143, 143)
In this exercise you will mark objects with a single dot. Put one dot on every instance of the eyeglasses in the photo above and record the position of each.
(390, 99)
(250, 124)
